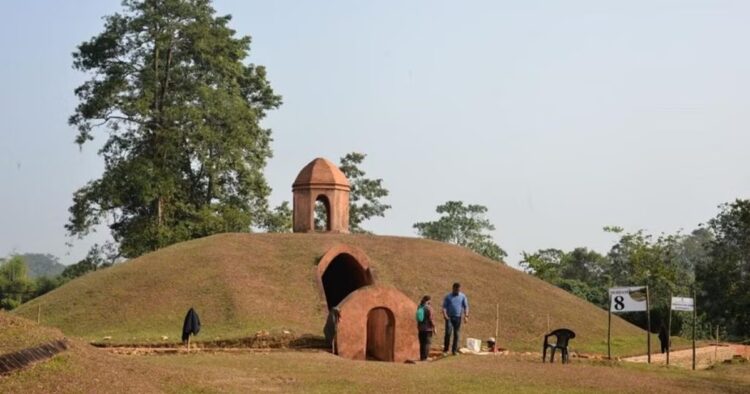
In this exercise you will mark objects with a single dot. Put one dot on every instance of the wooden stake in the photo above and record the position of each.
(497, 323)
(648, 323)
(188, 344)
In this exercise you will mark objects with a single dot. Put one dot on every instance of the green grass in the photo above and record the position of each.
(17, 334)
(314, 372)
(244, 283)
(83, 368)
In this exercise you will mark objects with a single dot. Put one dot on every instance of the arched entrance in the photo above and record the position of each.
(381, 334)
(377, 322)
(343, 275)
(322, 213)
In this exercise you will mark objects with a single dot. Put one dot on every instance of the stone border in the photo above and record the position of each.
(11, 362)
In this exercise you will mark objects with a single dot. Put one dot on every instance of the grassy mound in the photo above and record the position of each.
(243, 283)
(18, 334)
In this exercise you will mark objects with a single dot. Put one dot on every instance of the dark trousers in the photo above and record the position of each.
(425, 338)
(452, 325)
(664, 345)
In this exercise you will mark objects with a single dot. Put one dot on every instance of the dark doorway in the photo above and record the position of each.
(322, 214)
(381, 330)
(342, 276)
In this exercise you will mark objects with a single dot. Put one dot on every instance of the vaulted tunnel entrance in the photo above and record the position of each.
(343, 275)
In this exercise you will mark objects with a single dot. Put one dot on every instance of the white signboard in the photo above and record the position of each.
(627, 299)
(682, 304)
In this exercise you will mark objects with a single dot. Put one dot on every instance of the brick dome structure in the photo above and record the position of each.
(321, 180)
(367, 321)
(377, 323)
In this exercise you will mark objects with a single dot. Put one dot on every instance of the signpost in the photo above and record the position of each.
(629, 299)
(681, 304)
(694, 308)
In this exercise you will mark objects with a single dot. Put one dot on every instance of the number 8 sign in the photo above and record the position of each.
(619, 306)
(627, 299)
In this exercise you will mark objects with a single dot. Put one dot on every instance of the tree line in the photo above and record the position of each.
(18, 284)
(712, 260)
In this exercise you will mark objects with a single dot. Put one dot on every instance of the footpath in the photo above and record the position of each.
(705, 356)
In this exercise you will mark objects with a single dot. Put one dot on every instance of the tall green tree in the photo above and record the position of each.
(365, 198)
(724, 278)
(642, 259)
(279, 220)
(98, 257)
(545, 264)
(582, 272)
(464, 225)
(181, 110)
(15, 286)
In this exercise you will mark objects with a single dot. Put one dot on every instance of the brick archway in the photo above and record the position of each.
(342, 270)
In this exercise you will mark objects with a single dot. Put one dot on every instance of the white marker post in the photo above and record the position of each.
(628, 299)
(684, 304)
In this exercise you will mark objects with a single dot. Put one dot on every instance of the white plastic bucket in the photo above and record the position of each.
(473, 344)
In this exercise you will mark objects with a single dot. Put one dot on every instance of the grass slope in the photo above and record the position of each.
(18, 334)
(243, 283)
(79, 369)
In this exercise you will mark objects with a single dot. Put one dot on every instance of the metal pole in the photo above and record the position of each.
(716, 344)
(669, 328)
(695, 307)
(609, 329)
(648, 323)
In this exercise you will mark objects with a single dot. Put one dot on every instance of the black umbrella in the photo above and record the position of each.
(191, 326)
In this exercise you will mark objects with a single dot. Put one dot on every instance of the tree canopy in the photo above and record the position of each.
(364, 198)
(464, 225)
(181, 110)
(724, 275)
(664, 263)
(278, 220)
(14, 283)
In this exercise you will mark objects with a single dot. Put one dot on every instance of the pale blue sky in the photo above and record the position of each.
(560, 116)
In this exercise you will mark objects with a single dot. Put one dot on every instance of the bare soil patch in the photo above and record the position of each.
(705, 356)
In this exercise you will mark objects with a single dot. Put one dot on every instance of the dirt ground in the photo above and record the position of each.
(85, 369)
(705, 356)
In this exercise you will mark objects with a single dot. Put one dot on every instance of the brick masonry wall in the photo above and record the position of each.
(14, 361)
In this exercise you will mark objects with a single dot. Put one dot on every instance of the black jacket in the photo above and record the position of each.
(192, 325)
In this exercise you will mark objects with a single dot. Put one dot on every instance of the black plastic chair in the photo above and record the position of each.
(562, 336)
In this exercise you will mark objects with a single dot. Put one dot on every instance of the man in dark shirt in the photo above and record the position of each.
(455, 306)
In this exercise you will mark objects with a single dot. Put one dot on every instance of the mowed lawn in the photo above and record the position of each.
(87, 369)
